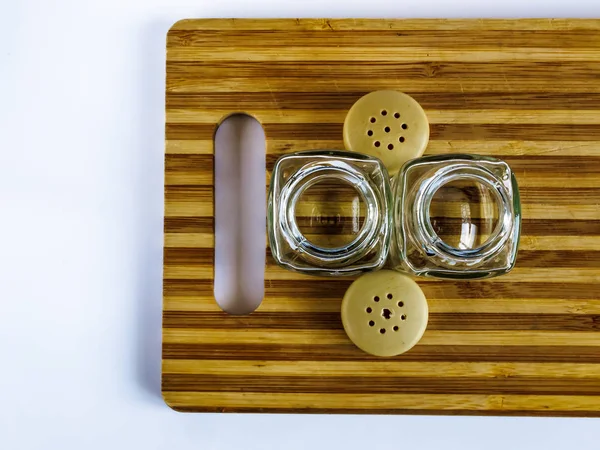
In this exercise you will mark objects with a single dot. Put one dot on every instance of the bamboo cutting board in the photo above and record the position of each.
(526, 91)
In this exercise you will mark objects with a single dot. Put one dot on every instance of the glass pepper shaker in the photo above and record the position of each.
(329, 212)
(455, 216)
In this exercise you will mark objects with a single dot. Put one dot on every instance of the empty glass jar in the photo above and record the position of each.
(329, 212)
(455, 216)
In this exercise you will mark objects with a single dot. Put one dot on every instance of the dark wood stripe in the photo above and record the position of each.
(189, 225)
(443, 289)
(561, 196)
(560, 227)
(454, 131)
(530, 227)
(189, 256)
(446, 39)
(348, 352)
(487, 321)
(249, 101)
(533, 132)
(202, 193)
(549, 195)
(328, 321)
(197, 256)
(515, 385)
(491, 72)
(556, 196)
(549, 164)
(176, 162)
(560, 258)
(521, 164)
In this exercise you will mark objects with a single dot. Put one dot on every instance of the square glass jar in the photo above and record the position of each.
(456, 216)
(329, 212)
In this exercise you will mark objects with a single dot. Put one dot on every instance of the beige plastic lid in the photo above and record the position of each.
(384, 313)
(389, 125)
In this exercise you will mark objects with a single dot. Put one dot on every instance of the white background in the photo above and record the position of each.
(81, 173)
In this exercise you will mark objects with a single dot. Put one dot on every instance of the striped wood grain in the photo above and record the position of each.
(526, 91)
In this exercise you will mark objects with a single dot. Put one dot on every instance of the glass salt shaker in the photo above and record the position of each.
(329, 213)
(455, 216)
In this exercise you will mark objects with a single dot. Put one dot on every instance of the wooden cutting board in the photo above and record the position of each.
(526, 91)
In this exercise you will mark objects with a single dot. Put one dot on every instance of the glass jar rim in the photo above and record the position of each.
(314, 172)
(435, 180)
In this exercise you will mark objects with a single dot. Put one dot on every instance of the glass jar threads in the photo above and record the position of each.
(455, 216)
(329, 213)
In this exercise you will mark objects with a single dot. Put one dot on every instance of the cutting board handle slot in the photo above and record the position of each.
(240, 214)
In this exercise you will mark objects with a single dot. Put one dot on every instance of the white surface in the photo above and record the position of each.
(81, 171)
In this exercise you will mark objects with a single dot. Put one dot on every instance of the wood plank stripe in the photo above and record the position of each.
(572, 231)
(585, 212)
(195, 224)
(430, 100)
(448, 131)
(494, 83)
(338, 336)
(391, 367)
(441, 289)
(333, 385)
(297, 402)
(527, 243)
(520, 164)
(534, 259)
(436, 117)
(467, 72)
(499, 149)
(297, 53)
(436, 305)
(329, 321)
(203, 176)
(423, 354)
(468, 39)
(195, 271)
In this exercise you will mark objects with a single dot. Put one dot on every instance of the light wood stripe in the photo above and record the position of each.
(205, 240)
(338, 193)
(450, 131)
(335, 287)
(436, 305)
(489, 148)
(558, 180)
(532, 211)
(493, 116)
(530, 179)
(500, 84)
(391, 402)
(465, 39)
(395, 368)
(338, 337)
(524, 275)
(298, 54)
(430, 100)
(189, 208)
(569, 243)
